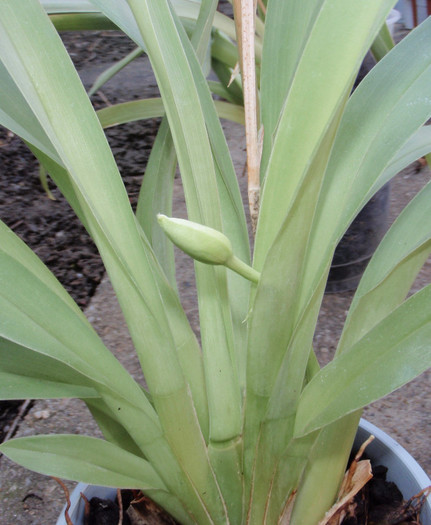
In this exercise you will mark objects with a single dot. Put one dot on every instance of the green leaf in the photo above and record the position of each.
(417, 146)
(112, 430)
(130, 111)
(82, 22)
(392, 269)
(409, 232)
(382, 44)
(220, 88)
(93, 461)
(23, 387)
(83, 458)
(280, 335)
(155, 197)
(113, 70)
(16, 115)
(324, 470)
(153, 107)
(51, 340)
(200, 39)
(32, 375)
(68, 6)
(224, 51)
(399, 345)
(290, 25)
(34, 324)
(190, 9)
(228, 111)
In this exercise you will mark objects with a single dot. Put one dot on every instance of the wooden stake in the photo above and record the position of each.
(245, 12)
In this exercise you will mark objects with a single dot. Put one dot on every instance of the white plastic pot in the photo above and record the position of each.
(392, 19)
(402, 469)
(77, 504)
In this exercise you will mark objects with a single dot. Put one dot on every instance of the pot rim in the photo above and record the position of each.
(402, 468)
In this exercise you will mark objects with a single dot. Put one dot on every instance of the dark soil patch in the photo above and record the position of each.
(49, 226)
(8, 411)
(135, 509)
(381, 502)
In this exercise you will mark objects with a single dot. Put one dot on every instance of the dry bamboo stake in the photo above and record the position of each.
(245, 26)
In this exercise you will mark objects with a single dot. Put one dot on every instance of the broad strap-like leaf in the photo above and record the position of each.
(85, 458)
(399, 345)
(153, 107)
(68, 350)
(280, 336)
(325, 467)
(382, 44)
(392, 269)
(131, 111)
(225, 444)
(68, 6)
(112, 430)
(27, 374)
(93, 461)
(113, 70)
(417, 146)
(16, 115)
(290, 23)
(24, 387)
(155, 197)
(49, 338)
(34, 324)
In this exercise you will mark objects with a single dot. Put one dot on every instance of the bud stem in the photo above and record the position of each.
(243, 269)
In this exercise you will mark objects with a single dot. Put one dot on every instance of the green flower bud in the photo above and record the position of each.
(202, 243)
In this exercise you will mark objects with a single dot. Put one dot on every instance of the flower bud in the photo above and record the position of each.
(202, 243)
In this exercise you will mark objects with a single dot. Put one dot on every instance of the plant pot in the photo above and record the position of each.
(359, 243)
(393, 18)
(402, 469)
(77, 505)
